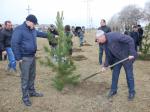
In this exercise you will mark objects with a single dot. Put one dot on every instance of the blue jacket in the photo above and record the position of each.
(24, 43)
(117, 47)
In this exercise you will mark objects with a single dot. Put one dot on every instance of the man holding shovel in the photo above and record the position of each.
(117, 47)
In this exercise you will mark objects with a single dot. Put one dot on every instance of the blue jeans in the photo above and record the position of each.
(81, 40)
(28, 69)
(100, 54)
(11, 58)
(128, 67)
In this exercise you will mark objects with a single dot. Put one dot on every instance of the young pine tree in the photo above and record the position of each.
(64, 65)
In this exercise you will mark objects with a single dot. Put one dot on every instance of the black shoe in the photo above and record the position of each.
(131, 96)
(36, 94)
(111, 94)
(27, 102)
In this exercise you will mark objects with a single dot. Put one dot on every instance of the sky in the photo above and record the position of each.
(76, 12)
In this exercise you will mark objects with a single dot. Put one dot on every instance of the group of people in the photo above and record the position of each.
(79, 32)
(21, 46)
(53, 40)
(137, 34)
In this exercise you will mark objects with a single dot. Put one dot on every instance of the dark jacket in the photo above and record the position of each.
(53, 39)
(135, 36)
(1, 42)
(6, 37)
(105, 28)
(117, 47)
(140, 30)
(24, 43)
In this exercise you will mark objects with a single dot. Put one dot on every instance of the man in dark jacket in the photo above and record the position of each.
(24, 47)
(117, 47)
(6, 41)
(135, 35)
(54, 34)
(140, 31)
(106, 29)
(80, 34)
(1, 43)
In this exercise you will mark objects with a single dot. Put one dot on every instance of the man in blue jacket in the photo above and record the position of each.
(117, 47)
(24, 47)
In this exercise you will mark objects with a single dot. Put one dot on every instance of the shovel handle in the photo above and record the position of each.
(107, 67)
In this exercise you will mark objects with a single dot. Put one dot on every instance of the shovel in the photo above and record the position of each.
(106, 68)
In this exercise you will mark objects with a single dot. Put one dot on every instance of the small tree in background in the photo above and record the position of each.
(63, 66)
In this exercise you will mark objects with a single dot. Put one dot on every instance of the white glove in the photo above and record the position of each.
(103, 69)
(4, 52)
(131, 57)
(20, 61)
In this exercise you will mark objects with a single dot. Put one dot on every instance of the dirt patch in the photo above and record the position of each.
(87, 44)
(77, 50)
(79, 58)
(87, 89)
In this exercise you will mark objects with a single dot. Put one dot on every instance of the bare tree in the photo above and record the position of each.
(147, 11)
(131, 15)
(114, 23)
(128, 16)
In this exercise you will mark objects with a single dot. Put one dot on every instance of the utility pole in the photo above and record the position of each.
(28, 9)
(89, 18)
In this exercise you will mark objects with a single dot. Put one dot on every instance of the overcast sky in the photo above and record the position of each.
(75, 11)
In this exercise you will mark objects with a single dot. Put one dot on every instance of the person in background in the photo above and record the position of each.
(53, 39)
(7, 35)
(127, 32)
(118, 47)
(80, 34)
(1, 27)
(24, 45)
(69, 38)
(1, 43)
(106, 29)
(140, 30)
(3, 55)
(73, 30)
(54, 33)
(135, 35)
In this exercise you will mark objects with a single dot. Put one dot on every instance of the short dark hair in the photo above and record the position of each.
(67, 28)
(7, 22)
(0, 25)
(135, 26)
(103, 20)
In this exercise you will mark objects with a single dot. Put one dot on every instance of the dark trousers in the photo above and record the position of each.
(128, 67)
(28, 69)
(1, 57)
(100, 54)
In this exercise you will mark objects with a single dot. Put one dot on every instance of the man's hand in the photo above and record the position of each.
(20, 61)
(103, 69)
(4, 52)
(131, 57)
